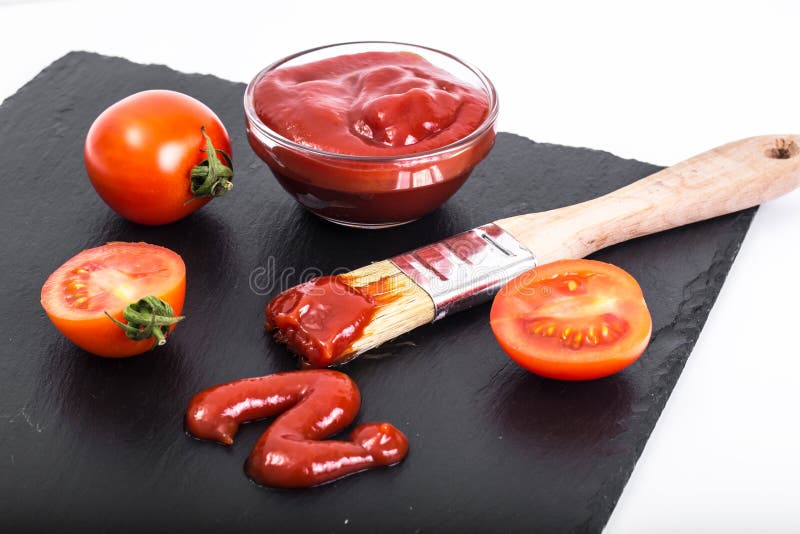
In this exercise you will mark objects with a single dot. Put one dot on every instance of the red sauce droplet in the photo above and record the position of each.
(320, 319)
(314, 404)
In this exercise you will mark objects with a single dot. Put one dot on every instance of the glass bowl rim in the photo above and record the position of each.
(254, 121)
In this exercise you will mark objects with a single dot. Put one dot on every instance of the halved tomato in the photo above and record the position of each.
(572, 319)
(87, 297)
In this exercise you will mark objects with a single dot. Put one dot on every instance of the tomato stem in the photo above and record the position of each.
(148, 317)
(211, 177)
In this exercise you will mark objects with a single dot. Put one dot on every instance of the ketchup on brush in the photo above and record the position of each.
(320, 319)
(314, 404)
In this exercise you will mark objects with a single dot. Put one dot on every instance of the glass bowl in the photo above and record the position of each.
(372, 191)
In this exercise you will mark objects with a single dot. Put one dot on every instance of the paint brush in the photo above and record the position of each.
(431, 282)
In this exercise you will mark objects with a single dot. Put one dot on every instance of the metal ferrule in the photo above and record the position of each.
(466, 269)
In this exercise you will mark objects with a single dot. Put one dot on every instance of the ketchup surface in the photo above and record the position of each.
(320, 319)
(369, 104)
(315, 404)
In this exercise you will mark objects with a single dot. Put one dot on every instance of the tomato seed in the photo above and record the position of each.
(572, 285)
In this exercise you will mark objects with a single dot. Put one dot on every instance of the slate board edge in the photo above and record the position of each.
(79, 53)
(712, 283)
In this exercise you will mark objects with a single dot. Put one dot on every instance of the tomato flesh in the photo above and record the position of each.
(572, 320)
(106, 279)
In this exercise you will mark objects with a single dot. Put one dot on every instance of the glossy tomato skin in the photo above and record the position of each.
(140, 151)
(90, 328)
(572, 320)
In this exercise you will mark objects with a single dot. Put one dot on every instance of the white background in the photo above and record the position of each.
(657, 83)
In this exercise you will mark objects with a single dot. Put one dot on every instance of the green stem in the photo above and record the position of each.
(211, 177)
(148, 317)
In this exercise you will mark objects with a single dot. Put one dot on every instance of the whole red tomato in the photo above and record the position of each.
(157, 156)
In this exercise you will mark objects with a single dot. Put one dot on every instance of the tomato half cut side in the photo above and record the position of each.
(83, 295)
(572, 320)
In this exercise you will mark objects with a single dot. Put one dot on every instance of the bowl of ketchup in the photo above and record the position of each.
(371, 134)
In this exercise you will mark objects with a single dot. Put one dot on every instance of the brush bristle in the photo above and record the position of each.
(406, 305)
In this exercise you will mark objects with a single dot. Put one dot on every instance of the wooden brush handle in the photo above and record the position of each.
(723, 180)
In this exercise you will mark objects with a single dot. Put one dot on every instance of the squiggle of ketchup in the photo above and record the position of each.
(316, 404)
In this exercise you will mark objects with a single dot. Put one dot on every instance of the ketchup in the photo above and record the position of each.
(314, 404)
(369, 104)
(384, 137)
(320, 319)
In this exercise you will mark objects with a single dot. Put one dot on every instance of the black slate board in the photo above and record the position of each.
(94, 444)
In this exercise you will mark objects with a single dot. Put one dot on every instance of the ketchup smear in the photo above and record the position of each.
(320, 319)
(315, 404)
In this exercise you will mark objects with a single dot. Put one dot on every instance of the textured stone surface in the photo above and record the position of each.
(93, 443)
